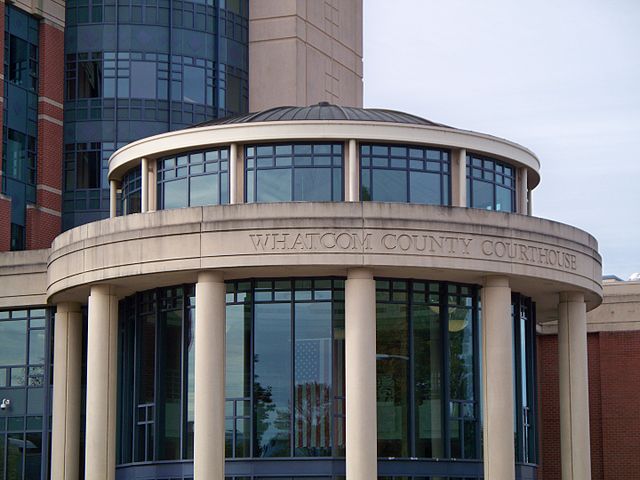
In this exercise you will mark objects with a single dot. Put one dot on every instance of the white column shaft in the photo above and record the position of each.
(67, 396)
(530, 202)
(144, 166)
(360, 369)
(353, 193)
(523, 190)
(113, 196)
(102, 375)
(233, 173)
(497, 378)
(459, 178)
(209, 430)
(574, 387)
(152, 198)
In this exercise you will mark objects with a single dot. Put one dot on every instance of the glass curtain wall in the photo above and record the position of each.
(20, 118)
(194, 179)
(25, 370)
(409, 174)
(132, 191)
(491, 185)
(294, 172)
(138, 69)
(284, 378)
(524, 335)
(427, 370)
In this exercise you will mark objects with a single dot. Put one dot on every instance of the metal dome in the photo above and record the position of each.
(323, 111)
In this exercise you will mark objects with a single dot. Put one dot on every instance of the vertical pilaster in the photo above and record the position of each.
(353, 171)
(102, 375)
(574, 387)
(530, 202)
(144, 166)
(209, 430)
(523, 191)
(153, 185)
(233, 173)
(459, 178)
(497, 379)
(67, 396)
(113, 195)
(360, 369)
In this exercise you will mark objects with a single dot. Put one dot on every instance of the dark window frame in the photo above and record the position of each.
(500, 175)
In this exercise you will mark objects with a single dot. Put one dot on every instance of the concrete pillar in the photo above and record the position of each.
(113, 196)
(102, 377)
(522, 191)
(67, 395)
(144, 166)
(153, 186)
(459, 178)
(360, 375)
(497, 379)
(530, 202)
(233, 173)
(353, 172)
(209, 429)
(574, 387)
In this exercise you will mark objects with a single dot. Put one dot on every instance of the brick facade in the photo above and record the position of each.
(5, 223)
(42, 227)
(614, 390)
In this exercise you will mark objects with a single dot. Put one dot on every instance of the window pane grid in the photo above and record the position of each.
(491, 184)
(412, 174)
(294, 172)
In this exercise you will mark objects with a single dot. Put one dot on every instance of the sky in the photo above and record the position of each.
(560, 77)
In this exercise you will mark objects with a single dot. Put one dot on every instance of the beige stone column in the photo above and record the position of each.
(353, 172)
(360, 369)
(530, 202)
(522, 191)
(153, 186)
(497, 379)
(233, 173)
(574, 387)
(67, 395)
(102, 377)
(113, 197)
(208, 460)
(144, 193)
(459, 178)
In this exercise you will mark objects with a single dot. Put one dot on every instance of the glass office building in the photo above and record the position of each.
(136, 69)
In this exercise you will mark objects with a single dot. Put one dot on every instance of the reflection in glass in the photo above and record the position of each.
(272, 382)
(490, 184)
(273, 186)
(14, 342)
(36, 347)
(389, 185)
(428, 380)
(392, 352)
(312, 379)
(170, 385)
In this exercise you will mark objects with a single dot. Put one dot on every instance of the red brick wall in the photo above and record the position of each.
(614, 404)
(5, 224)
(43, 226)
(3, 240)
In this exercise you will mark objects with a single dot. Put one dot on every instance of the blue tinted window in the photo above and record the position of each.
(490, 184)
(294, 172)
(194, 179)
(414, 174)
(132, 192)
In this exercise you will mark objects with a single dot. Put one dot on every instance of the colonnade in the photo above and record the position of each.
(351, 180)
(360, 366)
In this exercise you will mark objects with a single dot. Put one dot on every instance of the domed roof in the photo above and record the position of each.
(323, 111)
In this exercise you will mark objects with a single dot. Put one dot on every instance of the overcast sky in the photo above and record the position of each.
(560, 77)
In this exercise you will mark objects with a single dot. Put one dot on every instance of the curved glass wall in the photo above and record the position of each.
(136, 69)
(132, 192)
(413, 174)
(194, 179)
(491, 185)
(294, 172)
(285, 391)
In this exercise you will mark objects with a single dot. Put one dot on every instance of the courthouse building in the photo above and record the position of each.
(307, 292)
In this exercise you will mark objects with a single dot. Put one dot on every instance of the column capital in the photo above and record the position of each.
(103, 289)
(359, 273)
(571, 297)
(211, 276)
(68, 307)
(496, 281)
